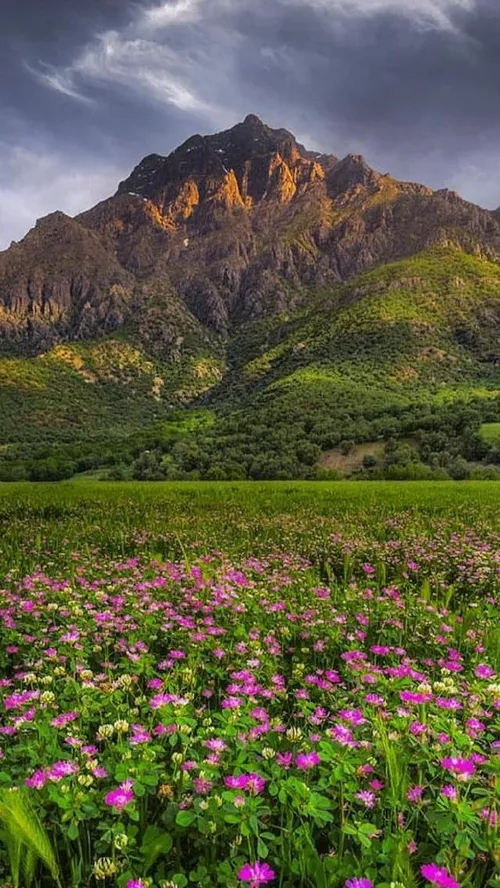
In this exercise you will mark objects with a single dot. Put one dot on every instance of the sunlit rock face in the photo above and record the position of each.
(227, 228)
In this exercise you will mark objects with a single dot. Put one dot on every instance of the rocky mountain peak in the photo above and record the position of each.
(351, 172)
(239, 167)
(226, 228)
(253, 120)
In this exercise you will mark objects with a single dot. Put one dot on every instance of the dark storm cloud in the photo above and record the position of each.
(418, 98)
(412, 84)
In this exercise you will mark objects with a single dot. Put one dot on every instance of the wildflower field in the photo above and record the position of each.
(242, 685)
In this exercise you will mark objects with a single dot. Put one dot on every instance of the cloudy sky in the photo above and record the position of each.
(88, 88)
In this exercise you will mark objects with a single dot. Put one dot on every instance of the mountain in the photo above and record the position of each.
(234, 227)
(237, 274)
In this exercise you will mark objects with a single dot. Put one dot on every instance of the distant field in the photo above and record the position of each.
(240, 517)
(336, 461)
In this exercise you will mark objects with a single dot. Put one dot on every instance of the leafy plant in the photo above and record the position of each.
(27, 842)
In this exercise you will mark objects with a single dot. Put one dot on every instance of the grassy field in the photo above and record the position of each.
(234, 685)
(168, 519)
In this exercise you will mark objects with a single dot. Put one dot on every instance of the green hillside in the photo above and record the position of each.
(406, 350)
(408, 354)
(76, 406)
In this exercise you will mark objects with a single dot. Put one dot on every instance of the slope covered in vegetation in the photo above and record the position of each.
(406, 354)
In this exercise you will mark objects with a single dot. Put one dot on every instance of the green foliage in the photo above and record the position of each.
(408, 350)
(27, 843)
(490, 433)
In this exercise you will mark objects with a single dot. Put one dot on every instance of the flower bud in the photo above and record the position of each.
(294, 734)
(104, 868)
(268, 753)
(105, 732)
(85, 779)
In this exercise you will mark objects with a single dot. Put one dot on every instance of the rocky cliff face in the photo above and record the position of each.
(239, 168)
(227, 228)
(60, 282)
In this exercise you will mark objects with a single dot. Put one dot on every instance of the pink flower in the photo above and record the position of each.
(202, 786)
(448, 703)
(251, 782)
(484, 671)
(449, 792)
(342, 735)
(474, 727)
(358, 883)
(139, 735)
(159, 730)
(490, 815)
(121, 797)
(213, 759)
(284, 759)
(367, 798)
(62, 769)
(415, 793)
(137, 883)
(18, 700)
(216, 745)
(374, 699)
(231, 703)
(438, 876)
(64, 719)
(235, 782)
(256, 874)
(37, 780)
(255, 784)
(417, 728)
(463, 769)
(376, 785)
(219, 653)
(307, 760)
(414, 697)
(353, 716)
(165, 699)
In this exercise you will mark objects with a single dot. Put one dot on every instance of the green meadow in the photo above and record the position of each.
(170, 518)
(229, 685)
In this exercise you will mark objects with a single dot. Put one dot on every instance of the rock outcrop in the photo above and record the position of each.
(227, 228)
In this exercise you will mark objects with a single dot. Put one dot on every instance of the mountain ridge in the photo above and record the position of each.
(236, 224)
(286, 301)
